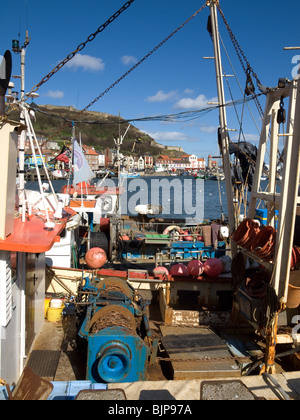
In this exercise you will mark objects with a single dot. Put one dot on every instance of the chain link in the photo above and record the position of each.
(205, 359)
(137, 64)
(80, 47)
(238, 49)
(242, 56)
(143, 59)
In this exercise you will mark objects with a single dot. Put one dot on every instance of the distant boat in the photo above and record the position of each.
(148, 209)
(220, 177)
(58, 173)
(130, 175)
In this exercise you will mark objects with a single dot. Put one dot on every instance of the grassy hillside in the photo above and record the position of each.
(51, 123)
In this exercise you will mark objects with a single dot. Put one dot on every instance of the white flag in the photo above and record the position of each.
(81, 170)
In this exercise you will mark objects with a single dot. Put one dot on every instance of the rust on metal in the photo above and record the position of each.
(112, 316)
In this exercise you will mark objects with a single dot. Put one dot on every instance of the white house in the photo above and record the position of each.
(101, 161)
(193, 162)
(141, 163)
(201, 164)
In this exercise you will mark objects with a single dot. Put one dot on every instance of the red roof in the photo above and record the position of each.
(89, 150)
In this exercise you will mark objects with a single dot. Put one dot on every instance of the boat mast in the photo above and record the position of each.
(22, 136)
(222, 115)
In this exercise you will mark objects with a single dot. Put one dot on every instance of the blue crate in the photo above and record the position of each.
(186, 250)
(68, 390)
(262, 216)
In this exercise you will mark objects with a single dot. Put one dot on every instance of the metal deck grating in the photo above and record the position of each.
(44, 362)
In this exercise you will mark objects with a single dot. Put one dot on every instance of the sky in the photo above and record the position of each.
(174, 79)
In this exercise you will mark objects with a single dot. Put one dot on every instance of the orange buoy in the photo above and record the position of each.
(160, 271)
(96, 258)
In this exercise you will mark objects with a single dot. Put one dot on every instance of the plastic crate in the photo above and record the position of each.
(262, 216)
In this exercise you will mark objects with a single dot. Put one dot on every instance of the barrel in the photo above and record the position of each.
(54, 314)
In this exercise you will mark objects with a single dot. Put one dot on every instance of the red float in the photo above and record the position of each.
(213, 267)
(160, 271)
(179, 270)
(96, 258)
(195, 268)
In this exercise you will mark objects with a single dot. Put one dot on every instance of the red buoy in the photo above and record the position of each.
(179, 270)
(195, 268)
(95, 258)
(213, 267)
(160, 271)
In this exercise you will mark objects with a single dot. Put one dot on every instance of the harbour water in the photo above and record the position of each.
(180, 197)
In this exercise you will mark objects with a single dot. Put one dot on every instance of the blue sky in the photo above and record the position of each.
(174, 79)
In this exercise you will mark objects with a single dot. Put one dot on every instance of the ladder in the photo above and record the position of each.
(287, 201)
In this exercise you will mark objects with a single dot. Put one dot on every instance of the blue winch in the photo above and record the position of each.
(116, 328)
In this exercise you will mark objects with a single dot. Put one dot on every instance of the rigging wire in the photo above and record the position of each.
(239, 84)
(186, 115)
(79, 48)
(145, 57)
(241, 55)
(137, 64)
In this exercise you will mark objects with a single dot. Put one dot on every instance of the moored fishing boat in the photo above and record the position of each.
(206, 320)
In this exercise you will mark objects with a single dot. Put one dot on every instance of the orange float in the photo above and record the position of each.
(160, 271)
(96, 258)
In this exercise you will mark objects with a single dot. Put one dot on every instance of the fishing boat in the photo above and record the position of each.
(59, 173)
(126, 174)
(27, 233)
(197, 325)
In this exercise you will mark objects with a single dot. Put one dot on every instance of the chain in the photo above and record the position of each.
(242, 56)
(144, 58)
(80, 47)
(137, 64)
(203, 359)
(238, 49)
(9, 110)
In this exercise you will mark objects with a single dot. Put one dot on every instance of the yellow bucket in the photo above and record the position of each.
(47, 304)
(54, 314)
